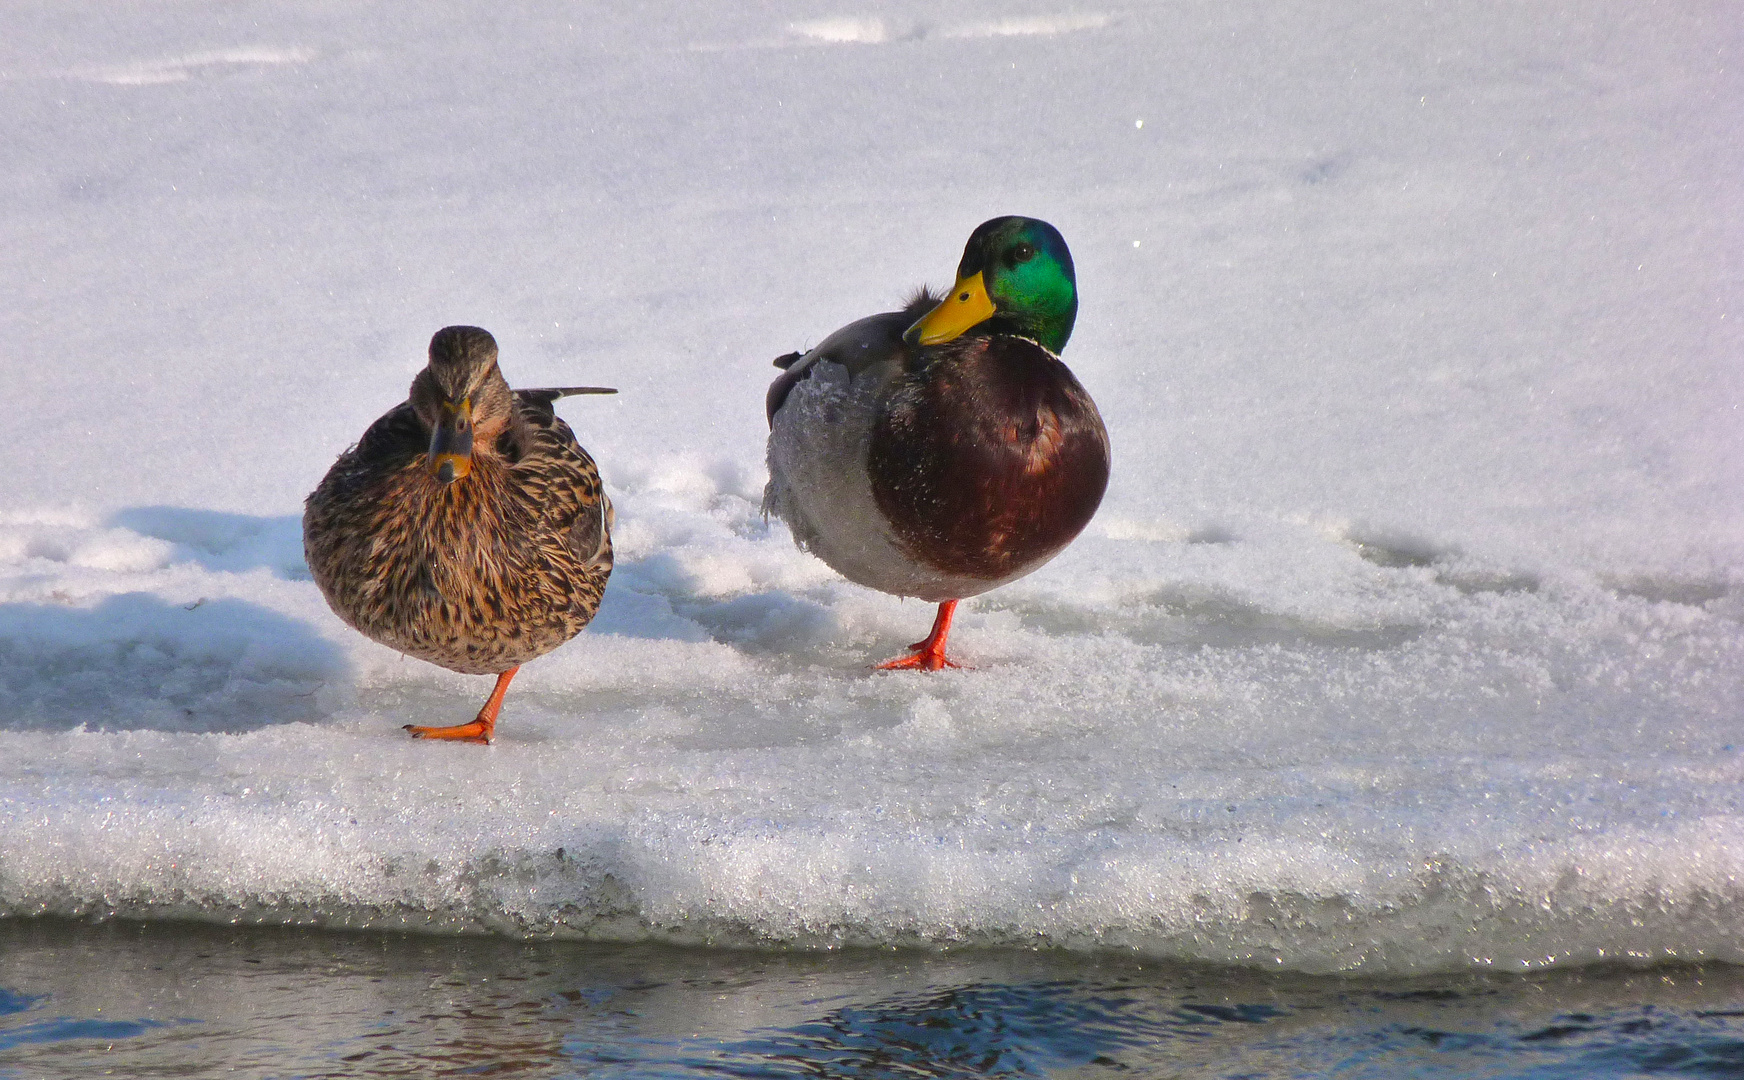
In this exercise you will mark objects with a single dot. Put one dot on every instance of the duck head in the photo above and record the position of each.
(462, 398)
(1016, 277)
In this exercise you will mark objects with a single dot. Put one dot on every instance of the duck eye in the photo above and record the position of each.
(1022, 253)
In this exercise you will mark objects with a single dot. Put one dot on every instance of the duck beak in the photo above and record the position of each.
(967, 306)
(451, 445)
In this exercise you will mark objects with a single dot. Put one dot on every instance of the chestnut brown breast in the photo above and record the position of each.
(988, 457)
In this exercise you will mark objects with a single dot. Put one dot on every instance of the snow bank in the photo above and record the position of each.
(1409, 636)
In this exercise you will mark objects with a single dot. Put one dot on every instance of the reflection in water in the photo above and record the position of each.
(153, 1000)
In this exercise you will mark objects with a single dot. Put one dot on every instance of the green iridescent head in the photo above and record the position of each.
(1016, 277)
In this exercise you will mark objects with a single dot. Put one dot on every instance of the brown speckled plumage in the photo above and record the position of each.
(482, 573)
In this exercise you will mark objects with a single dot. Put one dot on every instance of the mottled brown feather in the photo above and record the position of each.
(480, 575)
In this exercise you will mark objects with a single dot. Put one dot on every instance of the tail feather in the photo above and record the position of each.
(540, 402)
(548, 394)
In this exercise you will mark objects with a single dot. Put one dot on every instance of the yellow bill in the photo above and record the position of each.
(967, 306)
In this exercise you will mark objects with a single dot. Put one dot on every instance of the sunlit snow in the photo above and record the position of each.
(1409, 635)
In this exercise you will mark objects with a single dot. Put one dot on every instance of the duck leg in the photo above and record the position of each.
(928, 655)
(479, 731)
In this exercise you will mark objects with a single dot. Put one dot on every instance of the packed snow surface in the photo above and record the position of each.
(1408, 637)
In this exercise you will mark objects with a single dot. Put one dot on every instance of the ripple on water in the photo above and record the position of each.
(174, 1000)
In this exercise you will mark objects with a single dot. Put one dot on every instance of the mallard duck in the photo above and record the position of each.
(944, 450)
(467, 528)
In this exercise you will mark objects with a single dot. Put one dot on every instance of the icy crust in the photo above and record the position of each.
(1274, 744)
(1270, 745)
(1447, 898)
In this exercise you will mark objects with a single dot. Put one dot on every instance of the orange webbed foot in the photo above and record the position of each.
(928, 655)
(473, 732)
(481, 728)
(919, 660)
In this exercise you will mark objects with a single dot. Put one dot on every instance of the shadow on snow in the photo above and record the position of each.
(137, 662)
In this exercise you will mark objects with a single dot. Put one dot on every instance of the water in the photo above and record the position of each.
(151, 1000)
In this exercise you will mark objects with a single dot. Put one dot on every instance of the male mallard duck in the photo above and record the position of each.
(467, 528)
(943, 450)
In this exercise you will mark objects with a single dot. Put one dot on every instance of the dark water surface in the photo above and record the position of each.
(121, 999)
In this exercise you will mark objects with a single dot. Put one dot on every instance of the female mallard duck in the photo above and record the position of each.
(467, 528)
(944, 450)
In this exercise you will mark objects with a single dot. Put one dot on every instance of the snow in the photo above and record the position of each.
(1408, 637)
